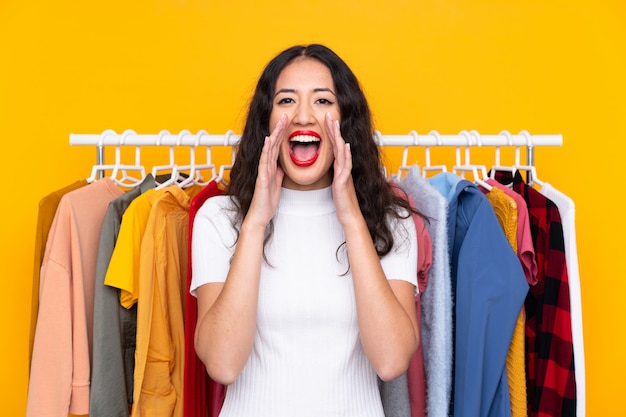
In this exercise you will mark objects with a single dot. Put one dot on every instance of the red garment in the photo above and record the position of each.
(201, 395)
(551, 379)
(416, 376)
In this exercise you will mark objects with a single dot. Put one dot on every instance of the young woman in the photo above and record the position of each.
(305, 272)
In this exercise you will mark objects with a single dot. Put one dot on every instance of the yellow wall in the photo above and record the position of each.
(548, 67)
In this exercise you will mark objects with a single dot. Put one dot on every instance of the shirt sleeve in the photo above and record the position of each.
(213, 242)
(401, 262)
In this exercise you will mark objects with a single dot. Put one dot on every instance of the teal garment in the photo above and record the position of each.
(489, 288)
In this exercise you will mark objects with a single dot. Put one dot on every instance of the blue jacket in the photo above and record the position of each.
(489, 288)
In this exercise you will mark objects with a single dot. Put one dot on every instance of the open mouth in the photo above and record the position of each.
(304, 147)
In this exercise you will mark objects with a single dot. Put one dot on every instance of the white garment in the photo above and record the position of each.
(307, 358)
(567, 211)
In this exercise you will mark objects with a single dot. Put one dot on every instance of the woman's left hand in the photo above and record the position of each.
(344, 193)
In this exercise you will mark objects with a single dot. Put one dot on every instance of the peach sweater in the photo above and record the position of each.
(59, 379)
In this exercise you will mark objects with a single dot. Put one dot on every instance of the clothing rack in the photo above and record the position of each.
(433, 138)
(464, 138)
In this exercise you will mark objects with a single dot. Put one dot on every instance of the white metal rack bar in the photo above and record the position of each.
(431, 139)
(202, 138)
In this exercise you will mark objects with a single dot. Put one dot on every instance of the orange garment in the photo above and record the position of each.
(506, 212)
(47, 209)
(60, 366)
(123, 270)
(159, 356)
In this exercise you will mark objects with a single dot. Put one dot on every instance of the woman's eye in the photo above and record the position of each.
(324, 101)
(285, 100)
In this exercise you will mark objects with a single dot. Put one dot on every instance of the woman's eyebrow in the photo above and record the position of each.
(285, 90)
(315, 90)
(318, 90)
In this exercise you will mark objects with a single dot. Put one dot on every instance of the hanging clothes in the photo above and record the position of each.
(159, 357)
(526, 255)
(567, 211)
(122, 275)
(406, 395)
(416, 373)
(45, 215)
(60, 367)
(114, 327)
(489, 288)
(202, 396)
(436, 302)
(525, 246)
(550, 362)
(506, 210)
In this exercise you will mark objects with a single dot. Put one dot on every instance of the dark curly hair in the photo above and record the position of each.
(376, 197)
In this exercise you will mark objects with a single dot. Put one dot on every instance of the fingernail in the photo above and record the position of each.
(337, 123)
(329, 116)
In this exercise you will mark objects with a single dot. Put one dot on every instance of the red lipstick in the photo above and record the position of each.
(304, 147)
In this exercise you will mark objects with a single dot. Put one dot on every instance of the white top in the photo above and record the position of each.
(307, 358)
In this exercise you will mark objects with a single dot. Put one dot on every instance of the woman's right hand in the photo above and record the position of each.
(269, 178)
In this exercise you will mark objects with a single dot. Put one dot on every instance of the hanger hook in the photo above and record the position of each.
(227, 137)
(507, 135)
(466, 135)
(200, 133)
(437, 137)
(526, 135)
(468, 143)
(103, 135)
(378, 137)
(160, 136)
(179, 138)
(125, 134)
(477, 137)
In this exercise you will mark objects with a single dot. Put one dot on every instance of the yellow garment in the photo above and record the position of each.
(159, 355)
(506, 212)
(47, 209)
(123, 270)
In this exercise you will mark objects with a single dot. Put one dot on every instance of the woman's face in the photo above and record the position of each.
(305, 92)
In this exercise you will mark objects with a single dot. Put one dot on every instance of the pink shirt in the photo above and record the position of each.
(59, 379)
(525, 247)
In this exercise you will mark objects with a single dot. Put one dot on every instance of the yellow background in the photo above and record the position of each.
(547, 67)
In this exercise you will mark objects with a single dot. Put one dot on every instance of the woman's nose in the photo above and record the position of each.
(303, 115)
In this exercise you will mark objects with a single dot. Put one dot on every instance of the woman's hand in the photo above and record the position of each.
(344, 193)
(269, 178)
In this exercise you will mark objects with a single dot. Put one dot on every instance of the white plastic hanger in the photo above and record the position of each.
(121, 169)
(532, 172)
(98, 171)
(172, 168)
(404, 166)
(497, 165)
(195, 172)
(529, 168)
(378, 138)
(479, 171)
(224, 168)
(427, 166)
(177, 176)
